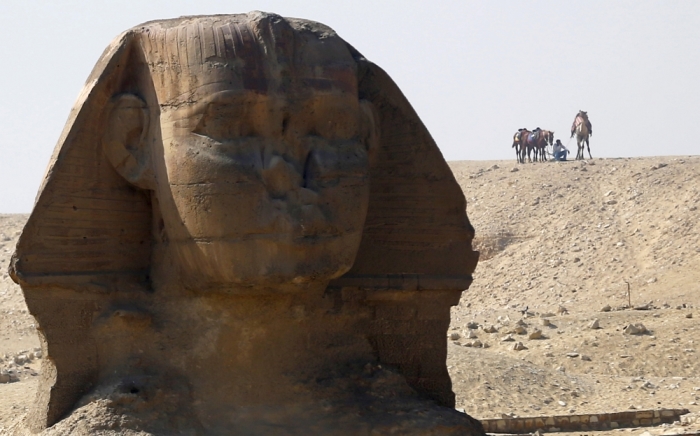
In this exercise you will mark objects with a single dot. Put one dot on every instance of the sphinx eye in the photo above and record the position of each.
(224, 122)
(335, 119)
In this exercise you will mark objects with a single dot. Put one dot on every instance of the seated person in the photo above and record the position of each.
(559, 151)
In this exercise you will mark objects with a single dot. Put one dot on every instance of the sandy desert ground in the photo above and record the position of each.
(559, 242)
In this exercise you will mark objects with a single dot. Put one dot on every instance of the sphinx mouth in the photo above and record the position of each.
(302, 235)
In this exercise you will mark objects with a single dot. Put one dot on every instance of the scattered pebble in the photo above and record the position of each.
(536, 334)
(635, 329)
(518, 346)
(490, 329)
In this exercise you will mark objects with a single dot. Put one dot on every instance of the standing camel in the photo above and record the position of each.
(583, 129)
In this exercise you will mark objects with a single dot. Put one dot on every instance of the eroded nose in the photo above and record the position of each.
(281, 177)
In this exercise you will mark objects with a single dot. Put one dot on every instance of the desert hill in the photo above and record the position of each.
(559, 242)
(564, 239)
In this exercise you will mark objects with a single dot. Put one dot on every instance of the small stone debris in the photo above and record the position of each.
(6, 377)
(606, 308)
(508, 338)
(473, 325)
(690, 418)
(490, 329)
(562, 403)
(635, 329)
(546, 322)
(520, 330)
(454, 336)
(572, 355)
(648, 385)
(514, 170)
(585, 358)
(594, 325)
(470, 334)
(536, 334)
(521, 323)
(518, 346)
(689, 315)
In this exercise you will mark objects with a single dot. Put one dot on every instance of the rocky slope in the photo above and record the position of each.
(563, 240)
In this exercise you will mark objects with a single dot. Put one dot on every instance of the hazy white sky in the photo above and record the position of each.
(474, 71)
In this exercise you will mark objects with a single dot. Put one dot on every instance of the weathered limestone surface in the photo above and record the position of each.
(245, 229)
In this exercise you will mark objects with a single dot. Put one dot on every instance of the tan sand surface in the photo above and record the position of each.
(561, 239)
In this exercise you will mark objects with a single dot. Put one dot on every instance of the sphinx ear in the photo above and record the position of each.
(125, 141)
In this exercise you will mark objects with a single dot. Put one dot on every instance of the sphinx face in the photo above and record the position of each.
(265, 184)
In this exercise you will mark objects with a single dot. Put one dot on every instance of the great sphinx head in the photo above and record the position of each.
(249, 139)
(233, 155)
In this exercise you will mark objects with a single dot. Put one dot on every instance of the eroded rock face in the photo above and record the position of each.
(245, 226)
